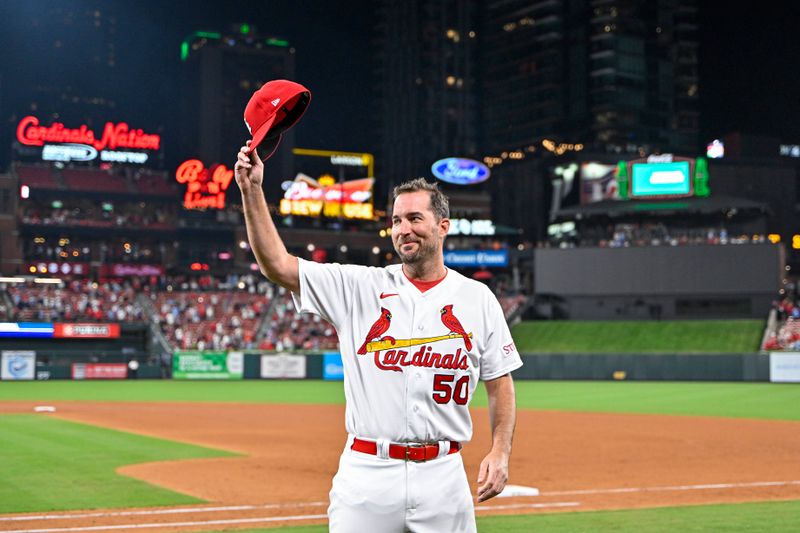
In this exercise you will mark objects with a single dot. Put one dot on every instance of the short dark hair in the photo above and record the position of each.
(440, 205)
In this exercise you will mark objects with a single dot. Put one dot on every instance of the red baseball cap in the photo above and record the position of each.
(273, 109)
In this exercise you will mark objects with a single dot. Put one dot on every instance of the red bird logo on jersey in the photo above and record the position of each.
(452, 323)
(378, 328)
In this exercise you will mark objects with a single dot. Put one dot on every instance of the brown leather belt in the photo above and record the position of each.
(408, 452)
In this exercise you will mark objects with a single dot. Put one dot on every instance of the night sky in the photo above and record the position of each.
(749, 78)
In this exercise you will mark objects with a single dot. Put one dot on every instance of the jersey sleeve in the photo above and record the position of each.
(326, 289)
(500, 355)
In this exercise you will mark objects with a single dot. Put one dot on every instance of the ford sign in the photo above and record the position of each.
(460, 171)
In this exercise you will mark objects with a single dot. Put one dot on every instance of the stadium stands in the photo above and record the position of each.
(37, 177)
(78, 300)
(654, 234)
(98, 214)
(94, 180)
(156, 183)
(785, 333)
(206, 313)
(212, 314)
(511, 303)
(290, 330)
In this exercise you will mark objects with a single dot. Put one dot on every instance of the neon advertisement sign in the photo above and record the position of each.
(205, 187)
(309, 197)
(60, 143)
(118, 135)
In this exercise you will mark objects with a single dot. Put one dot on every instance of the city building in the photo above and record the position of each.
(221, 71)
(426, 84)
(613, 75)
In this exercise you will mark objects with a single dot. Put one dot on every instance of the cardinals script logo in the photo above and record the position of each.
(395, 358)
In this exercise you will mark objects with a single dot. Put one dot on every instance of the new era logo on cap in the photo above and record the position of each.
(273, 109)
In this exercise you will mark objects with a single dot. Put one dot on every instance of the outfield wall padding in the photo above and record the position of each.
(667, 367)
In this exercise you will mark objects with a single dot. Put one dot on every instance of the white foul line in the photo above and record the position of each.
(252, 520)
(173, 524)
(625, 490)
(674, 488)
(176, 510)
(526, 506)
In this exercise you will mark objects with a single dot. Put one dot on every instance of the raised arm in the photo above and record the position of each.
(275, 262)
(493, 472)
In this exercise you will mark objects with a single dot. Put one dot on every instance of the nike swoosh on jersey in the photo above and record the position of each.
(387, 294)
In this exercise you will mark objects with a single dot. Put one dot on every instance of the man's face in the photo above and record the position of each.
(416, 234)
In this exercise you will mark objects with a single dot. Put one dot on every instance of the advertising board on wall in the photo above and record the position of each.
(283, 366)
(207, 365)
(476, 258)
(26, 329)
(99, 371)
(86, 331)
(18, 365)
(784, 367)
(332, 367)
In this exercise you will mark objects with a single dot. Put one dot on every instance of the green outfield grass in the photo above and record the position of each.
(741, 400)
(745, 518)
(50, 464)
(663, 336)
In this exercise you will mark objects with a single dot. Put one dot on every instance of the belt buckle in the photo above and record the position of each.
(415, 446)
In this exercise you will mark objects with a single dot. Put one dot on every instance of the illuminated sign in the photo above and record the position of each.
(598, 182)
(715, 149)
(790, 150)
(99, 371)
(131, 269)
(306, 196)
(460, 171)
(205, 188)
(86, 331)
(476, 258)
(60, 143)
(663, 176)
(660, 179)
(26, 329)
(462, 226)
(350, 159)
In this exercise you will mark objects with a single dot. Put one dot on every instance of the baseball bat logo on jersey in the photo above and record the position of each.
(396, 358)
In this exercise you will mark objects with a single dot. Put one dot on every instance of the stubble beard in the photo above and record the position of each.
(425, 250)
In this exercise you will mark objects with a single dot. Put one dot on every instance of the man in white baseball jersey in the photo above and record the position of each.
(414, 338)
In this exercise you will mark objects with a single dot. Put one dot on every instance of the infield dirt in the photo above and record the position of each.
(579, 461)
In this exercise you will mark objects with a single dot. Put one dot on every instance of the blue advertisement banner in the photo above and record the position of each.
(332, 368)
(26, 329)
(476, 258)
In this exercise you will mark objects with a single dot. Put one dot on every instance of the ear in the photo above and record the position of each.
(444, 227)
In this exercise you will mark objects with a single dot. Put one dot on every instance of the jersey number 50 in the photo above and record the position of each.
(443, 392)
